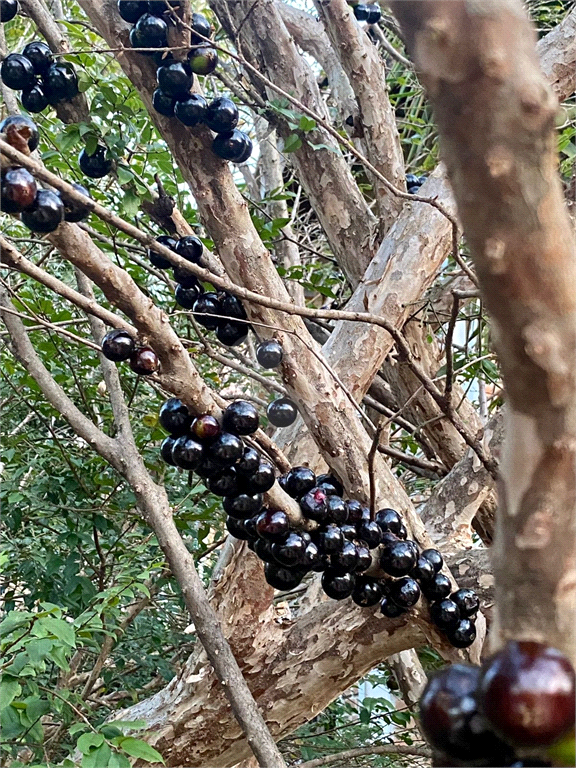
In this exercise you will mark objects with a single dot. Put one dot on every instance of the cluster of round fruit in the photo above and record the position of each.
(42, 210)
(8, 9)
(41, 79)
(118, 346)
(370, 13)
(519, 703)
(413, 183)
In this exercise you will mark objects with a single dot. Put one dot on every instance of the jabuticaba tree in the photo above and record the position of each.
(262, 310)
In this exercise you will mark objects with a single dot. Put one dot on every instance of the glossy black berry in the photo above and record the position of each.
(370, 532)
(437, 588)
(269, 353)
(222, 115)
(186, 297)
(403, 532)
(462, 634)
(40, 55)
(45, 214)
(389, 608)
(348, 531)
(8, 9)
(205, 428)
(263, 549)
(361, 12)
(434, 557)
(364, 558)
(231, 334)
(337, 509)
(162, 103)
(374, 14)
(201, 26)
(190, 248)
(118, 345)
(234, 146)
(144, 361)
(298, 481)
(158, 7)
(355, 511)
(208, 468)
(273, 525)
(291, 551)
(329, 539)
(186, 279)
(237, 528)
(423, 570)
(282, 578)
(175, 79)
(224, 482)
(411, 180)
(149, 32)
(17, 72)
(330, 484)
(19, 190)
(338, 586)
(314, 505)
(166, 447)
(345, 559)
(232, 306)
(467, 601)
(244, 505)
(249, 462)
(388, 520)
(226, 449)
(282, 412)
(261, 480)
(187, 452)
(240, 417)
(367, 592)
(95, 165)
(203, 59)
(131, 10)
(191, 110)
(24, 124)
(175, 417)
(399, 558)
(61, 82)
(313, 559)
(405, 592)
(156, 259)
(207, 304)
(73, 210)
(445, 614)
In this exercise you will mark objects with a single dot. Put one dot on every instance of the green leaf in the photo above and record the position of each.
(61, 629)
(306, 124)
(364, 716)
(9, 689)
(316, 147)
(118, 761)
(98, 758)
(138, 748)
(89, 740)
(91, 142)
(14, 620)
(131, 203)
(125, 175)
(292, 143)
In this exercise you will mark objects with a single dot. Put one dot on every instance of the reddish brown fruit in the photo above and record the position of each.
(144, 361)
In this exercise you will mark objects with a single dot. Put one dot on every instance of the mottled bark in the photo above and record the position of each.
(557, 53)
(502, 166)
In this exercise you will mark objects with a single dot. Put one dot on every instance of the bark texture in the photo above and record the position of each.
(481, 61)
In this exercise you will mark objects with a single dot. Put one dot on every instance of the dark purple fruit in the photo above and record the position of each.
(144, 361)
(261, 480)
(45, 214)
(329, 539)
(190, 248)
(232, 334)
(291, 551)
(467, 601)
(187, 452)
(186, 297)
(355, 511)
(337, 509)
(186, 279)
(434, 557)
(348, 531)
(249, 462)
(23, 125)
(423, 570)
(364, 558)
(244, 505)
(162, 103)
(237, 528)
(8, 9)
(235, 146)
(201, 26)
(17, 72)
(389, 609)
(205, 428)
(263, 550)
(314, 505)
(191, 110)
(282, 412)
(149, 32)
(175, 79)
(158, 7)
(389, 520)
(39, 55)
(445, 614)
(269, 353)
(95, 165)
(345, 560)
(232, 306)
(527, 693)
(273, 525)
(34, 100)
(282, 578)
(208, 468)
(166, 447)
(222, 115)
(403, 532)
(156, 259)
(462, 634)
(437, 588)
(367, 592)
(361, 12)
(336, 585)
(374, 14)
(131, 10)
(19, 190)
(331, 485)
(451, 721)
(73, 210)
(61, 82)
(370, 532)
(240, 418)
(203, 59)
(298, 481)
(226, 449)
(405, 592)
(207, 304)
(224, 482)
(399, 558)
(118, 345)
(175, 417)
